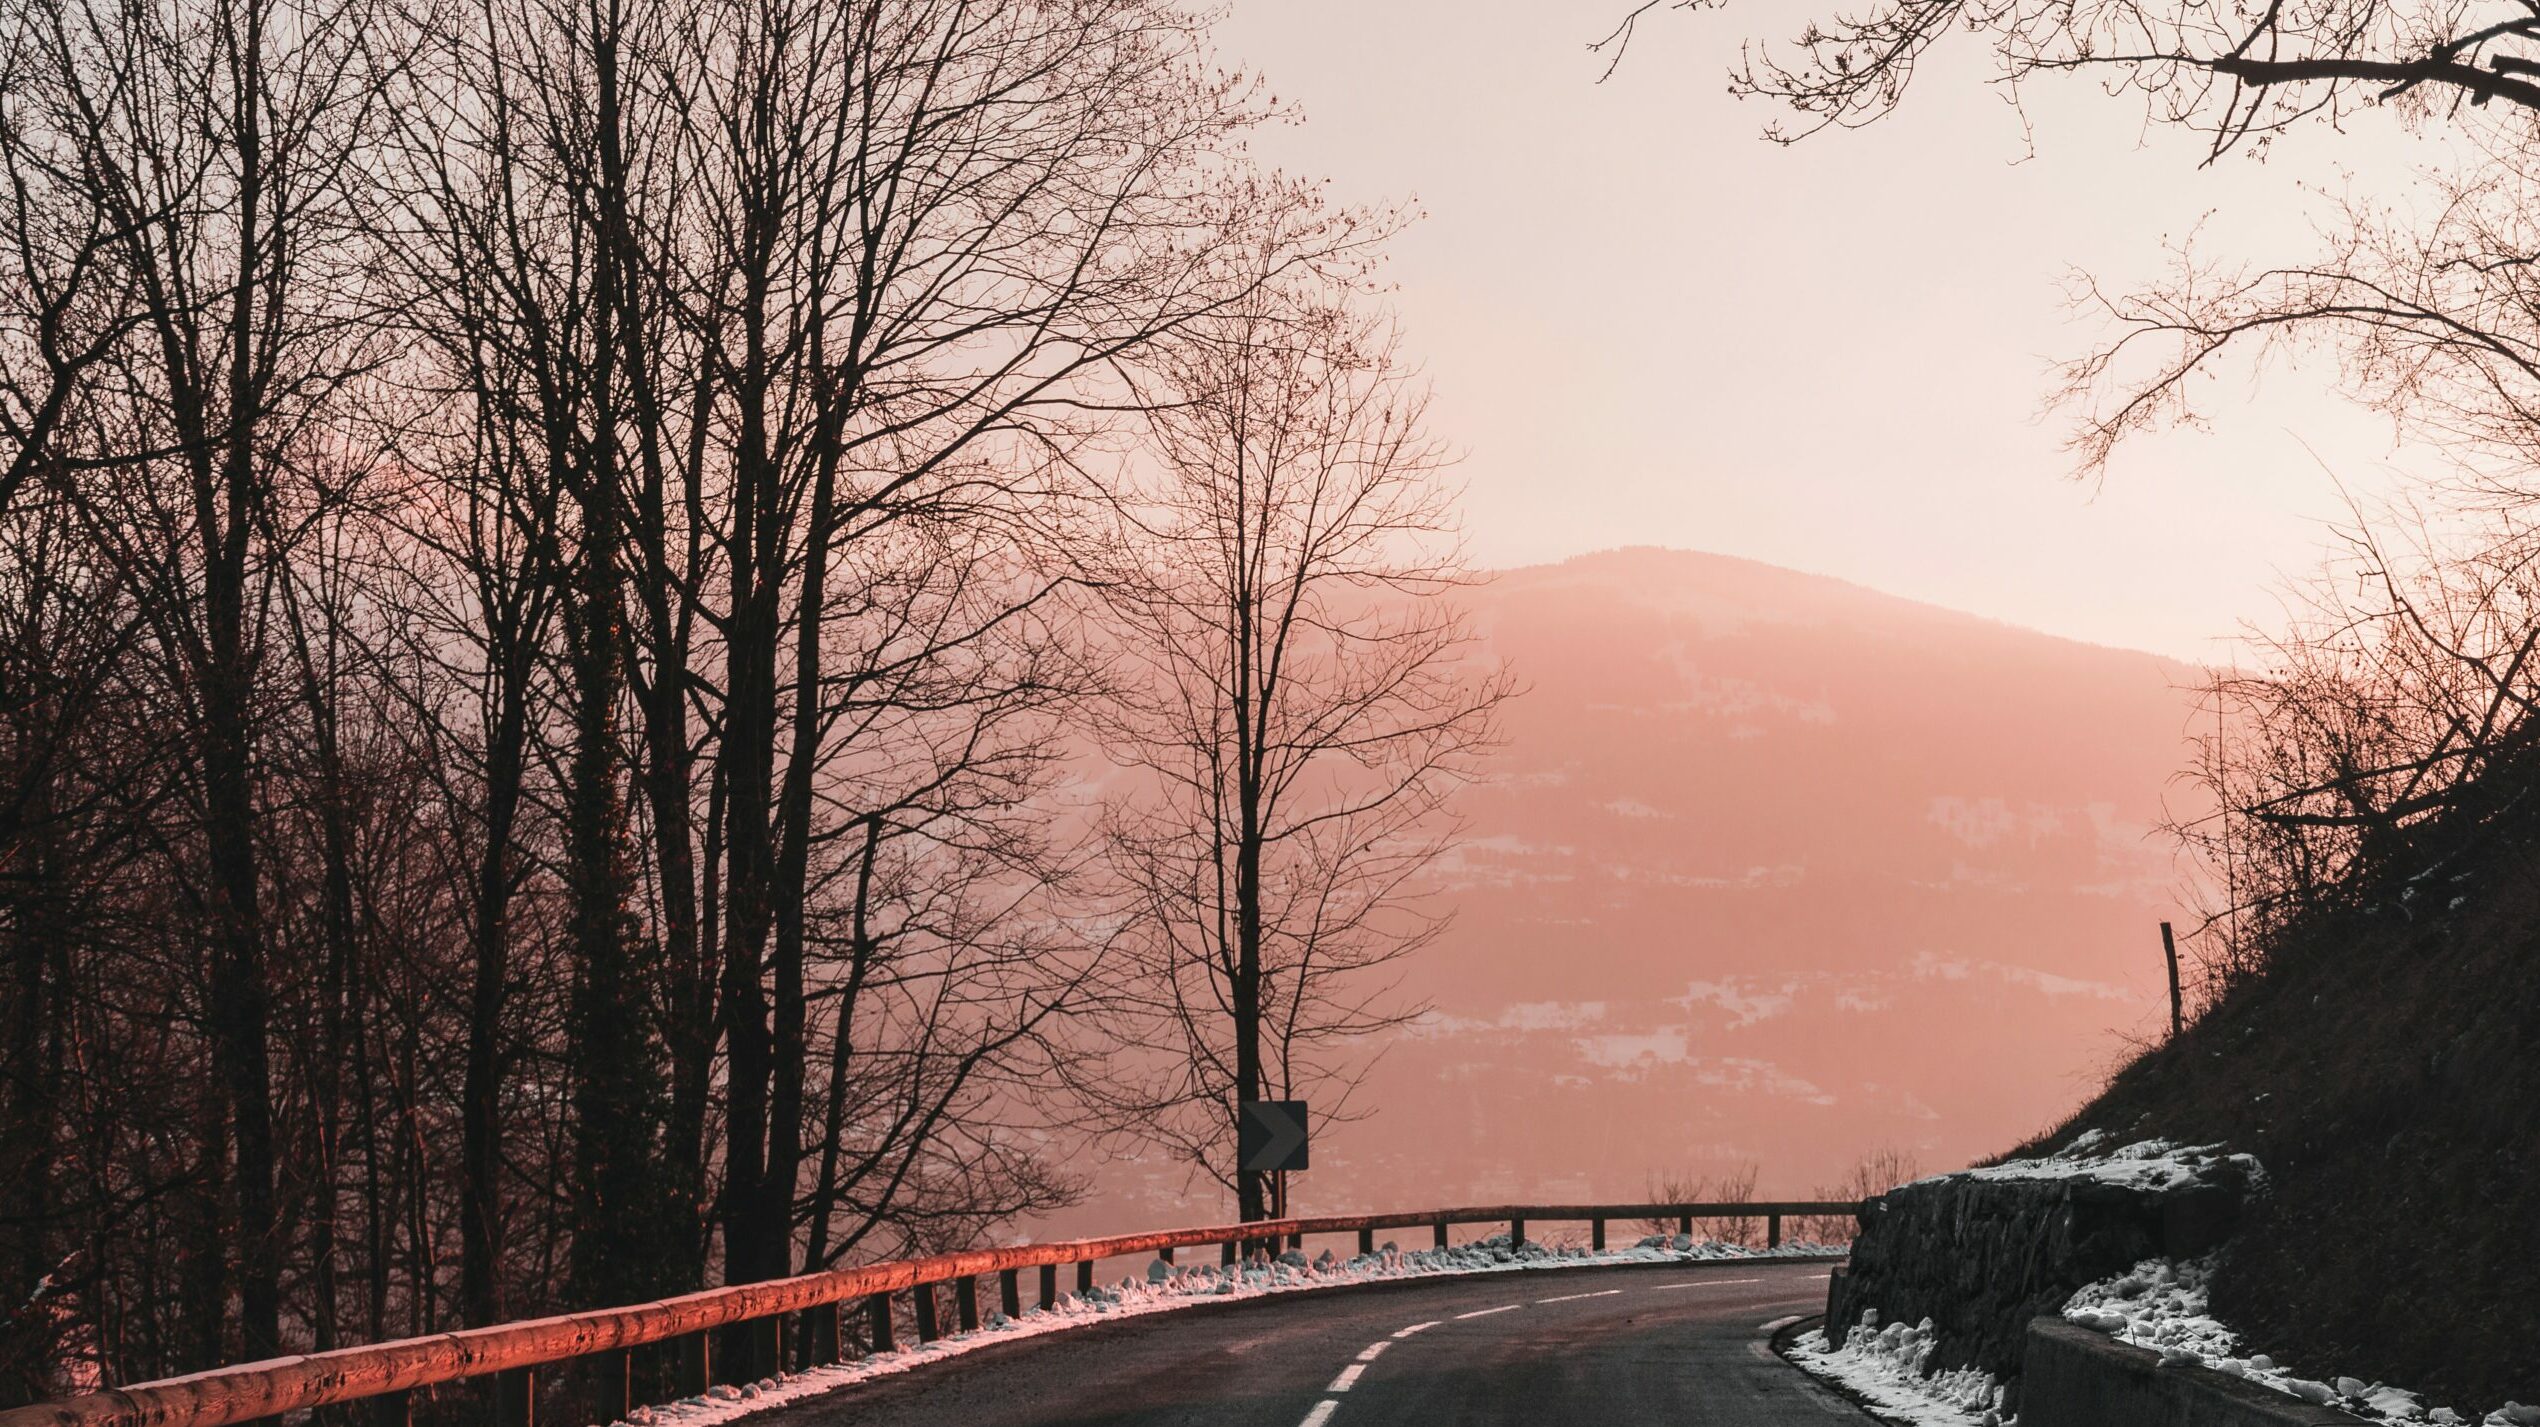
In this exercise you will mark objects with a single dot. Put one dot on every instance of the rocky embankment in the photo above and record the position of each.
(1980, 1253)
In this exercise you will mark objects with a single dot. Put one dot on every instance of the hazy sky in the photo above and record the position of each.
(1647, 325)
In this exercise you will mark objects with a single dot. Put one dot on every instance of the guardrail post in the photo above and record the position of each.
(820, 1336)
(1085, 1276)
(1772, 1231)
(1596, 1235)
(695, 1370)
(1366, 1242)
(1049, 1285)
(878, 1310)
(1009, 1294)
(1516, 1233)
(1165, 1253)
(516, 1397)
(1296, 1242)
(766, 1338)
(396, 1409)
(1440, 1226)
(1226, 1254)
(612, 1385)
(966, 1301)
(1684, 1225)
(928, 1330)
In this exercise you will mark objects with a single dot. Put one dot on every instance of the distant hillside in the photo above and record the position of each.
(1773, 869)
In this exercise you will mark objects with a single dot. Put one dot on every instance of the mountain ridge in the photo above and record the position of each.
(1751, 833)
(1598, 559)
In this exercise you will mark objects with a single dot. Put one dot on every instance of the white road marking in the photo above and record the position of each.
(1349, 1376)
(1486, 1312)
(1416, 1327)
(1700, 1283)
(1575, 1297)
(1321, 1414)
(1368, 1354)
(1779, 1323)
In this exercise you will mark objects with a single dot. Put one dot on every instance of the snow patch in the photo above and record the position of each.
(1886, 1366)
(2154, 1165)
(2162, 1306)
(1744, 1004)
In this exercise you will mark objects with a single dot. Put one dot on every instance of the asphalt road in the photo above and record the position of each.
(1674, 1345)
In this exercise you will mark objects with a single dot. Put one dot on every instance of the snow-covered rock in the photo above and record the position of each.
(2162, 1305)
(1890, 1367)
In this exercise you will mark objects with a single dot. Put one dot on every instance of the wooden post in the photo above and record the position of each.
(1366, 1243)
(1085, 1276)
(1226, 1253)
(1596, 1235)
(1516, 1233)
(695, 1371)
(821, 1345)
(2169, 952)
(396, 1409)
(878, 1310)
(1684, 1225)
(1772, 1231)
(1009, 1294)
(928, 1330)
(1049, 1285)
(1165, 1253)
(1440, 1226)
(966, 1301)
(766, 1337)
(612, 1385)
(516, 1398)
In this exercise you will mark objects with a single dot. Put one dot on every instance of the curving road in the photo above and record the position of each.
(1612, 1345)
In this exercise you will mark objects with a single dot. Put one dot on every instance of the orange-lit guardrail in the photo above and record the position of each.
(750, 1320)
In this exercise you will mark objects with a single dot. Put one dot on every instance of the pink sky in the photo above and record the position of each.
(1649, 326)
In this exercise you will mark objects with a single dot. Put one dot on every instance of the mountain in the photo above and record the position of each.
(1772, 869)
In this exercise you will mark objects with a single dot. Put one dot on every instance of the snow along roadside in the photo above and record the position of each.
(1166, 1288)
(2161, 1305)
(2157, 1305)
(1883, 1366)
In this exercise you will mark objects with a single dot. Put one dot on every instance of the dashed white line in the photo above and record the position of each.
(1347, 1379)
(1700, 1283)
(1321, 1414)
(1417, 1327)
(1486, 1312)
(1575, 1297)
(1368, 1353)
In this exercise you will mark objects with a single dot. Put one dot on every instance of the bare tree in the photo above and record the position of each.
(1301, 701)
(2404, 674)
(2239, 75)
(219, 146)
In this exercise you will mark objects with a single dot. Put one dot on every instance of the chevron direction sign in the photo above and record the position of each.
(1270, 1136)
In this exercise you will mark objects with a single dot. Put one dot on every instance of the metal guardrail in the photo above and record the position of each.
(749, 1318)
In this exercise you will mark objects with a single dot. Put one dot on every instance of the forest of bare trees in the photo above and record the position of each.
(557, 560)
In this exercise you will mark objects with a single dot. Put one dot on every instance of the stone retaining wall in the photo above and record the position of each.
(1982, 1256)
(2074, 1377)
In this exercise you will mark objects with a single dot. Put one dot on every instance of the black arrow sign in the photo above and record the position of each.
(1270, 1136)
